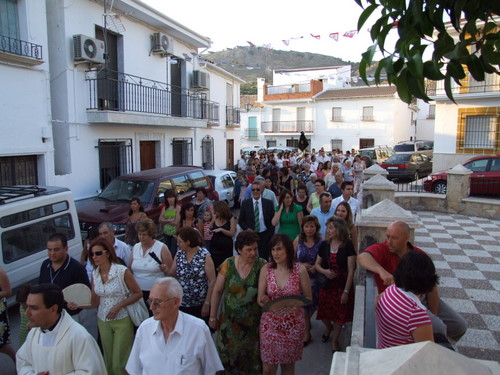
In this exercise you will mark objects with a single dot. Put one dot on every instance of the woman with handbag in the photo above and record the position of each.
(337, 261)
(113, 290)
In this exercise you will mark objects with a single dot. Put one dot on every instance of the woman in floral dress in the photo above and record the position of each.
(337, 261)
(282, 332)
(238, 323)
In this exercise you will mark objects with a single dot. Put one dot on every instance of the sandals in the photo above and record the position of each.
(324, 338)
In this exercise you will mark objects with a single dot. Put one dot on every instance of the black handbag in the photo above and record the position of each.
(322, 281)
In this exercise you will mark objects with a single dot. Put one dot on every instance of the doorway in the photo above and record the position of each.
(148, 155)
(230, 154)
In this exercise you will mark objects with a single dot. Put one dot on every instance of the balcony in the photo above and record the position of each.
(252, 134)
(232, 116)
(470, 87)
(20, 51)
(293, 91)
(125, 98)
(306, 126)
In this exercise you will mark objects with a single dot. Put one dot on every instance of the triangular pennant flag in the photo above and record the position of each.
(350, 33)
(316, 36)
(334, 36)
(286, 42)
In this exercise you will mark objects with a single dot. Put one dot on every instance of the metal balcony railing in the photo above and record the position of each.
(115, 91)
(252, 134)
(469, 86)
(289, 89)
(20, 47)
(233, 116)
(306, 126)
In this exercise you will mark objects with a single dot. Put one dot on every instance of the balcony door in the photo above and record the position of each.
(276, 120)
(301, 119)
(148, 154)
(107, 78)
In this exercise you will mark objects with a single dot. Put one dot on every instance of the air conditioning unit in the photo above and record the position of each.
(88, 49)
(200, 80)
(162, 44)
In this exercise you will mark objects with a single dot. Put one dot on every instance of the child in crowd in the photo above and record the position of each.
(208, 218)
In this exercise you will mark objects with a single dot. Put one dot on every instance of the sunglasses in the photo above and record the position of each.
(255, 189)
(99, 253)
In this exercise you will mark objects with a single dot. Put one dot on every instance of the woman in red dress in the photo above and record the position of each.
(337, 261)
(282, 332)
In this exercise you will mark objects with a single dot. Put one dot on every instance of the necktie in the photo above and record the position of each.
(256, 216)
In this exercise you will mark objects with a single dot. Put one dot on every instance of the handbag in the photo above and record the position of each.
(322, 281)
(137, 311)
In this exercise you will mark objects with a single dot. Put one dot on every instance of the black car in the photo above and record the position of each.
(409, 166)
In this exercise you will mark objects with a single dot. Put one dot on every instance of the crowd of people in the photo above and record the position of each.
(297, 239)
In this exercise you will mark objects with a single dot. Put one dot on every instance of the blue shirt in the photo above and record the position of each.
(322, 218)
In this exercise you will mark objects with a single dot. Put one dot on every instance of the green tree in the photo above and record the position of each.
(425, 24)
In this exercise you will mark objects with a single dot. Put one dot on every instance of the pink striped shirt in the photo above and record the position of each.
(398, 313)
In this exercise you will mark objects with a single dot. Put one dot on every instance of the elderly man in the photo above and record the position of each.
(383, 258)
(58, 344)
(347, 189)
(335, 188)
(122, 250)
(172, 342)
(256, 213)
(266, 193)
(324, 212)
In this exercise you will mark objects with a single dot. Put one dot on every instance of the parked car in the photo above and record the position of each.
(408, 165)
(258, 149)
(113, 204)
(485, 177)
(223, 182)
(424, 147)
(277, 150)
(377, 154)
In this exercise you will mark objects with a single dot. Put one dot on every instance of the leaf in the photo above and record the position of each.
(415, 65)
(402, 87)
(362, 71)
(365, 15)
(455, 70)
(381, 65)
(475, 68)
(368, 55)
(447, 88)
(383, 35)
(431, 71)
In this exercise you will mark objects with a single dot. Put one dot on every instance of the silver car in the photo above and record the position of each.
(223, 182)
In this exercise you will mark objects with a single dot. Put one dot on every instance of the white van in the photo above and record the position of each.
(29, 215)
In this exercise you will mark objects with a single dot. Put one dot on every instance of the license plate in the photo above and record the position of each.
(392, 167)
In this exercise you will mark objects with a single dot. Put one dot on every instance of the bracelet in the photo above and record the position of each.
(346, 291)
(207, 303)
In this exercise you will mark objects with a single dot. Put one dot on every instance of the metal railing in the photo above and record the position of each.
(414, 186)
(289, 89)
(468, 86)
(233, 116)
(297, 126)
(20, 47)
(252, 134)
(115, 91)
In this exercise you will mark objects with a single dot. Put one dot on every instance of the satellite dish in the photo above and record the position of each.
(90, 48)
(164, 42)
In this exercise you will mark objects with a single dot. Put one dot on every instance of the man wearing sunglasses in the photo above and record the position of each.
(172, 342)
(256, 213)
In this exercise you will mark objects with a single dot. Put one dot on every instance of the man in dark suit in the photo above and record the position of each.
(256, 213)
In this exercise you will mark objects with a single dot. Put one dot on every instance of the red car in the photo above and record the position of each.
(485, 177)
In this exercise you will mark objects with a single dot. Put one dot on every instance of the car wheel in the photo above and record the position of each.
(439, 187)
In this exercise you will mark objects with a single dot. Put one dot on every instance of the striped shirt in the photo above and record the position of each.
(398, 313)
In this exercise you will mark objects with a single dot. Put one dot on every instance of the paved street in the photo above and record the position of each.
(466, 252)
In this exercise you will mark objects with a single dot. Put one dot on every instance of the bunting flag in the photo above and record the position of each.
(334, 36)
(286, 42)
(350, 33)
(250, 43)
(316, 36)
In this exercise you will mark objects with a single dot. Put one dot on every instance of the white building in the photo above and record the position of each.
(332, 114)
(152, 104)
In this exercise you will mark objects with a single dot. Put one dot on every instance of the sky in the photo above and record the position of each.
(230, 23)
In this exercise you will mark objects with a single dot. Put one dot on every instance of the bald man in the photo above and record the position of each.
(382, 259)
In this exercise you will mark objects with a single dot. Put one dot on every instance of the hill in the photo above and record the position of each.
(251, 63)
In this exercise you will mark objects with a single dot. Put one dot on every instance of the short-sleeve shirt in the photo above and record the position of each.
(389, 261)
(398, 313)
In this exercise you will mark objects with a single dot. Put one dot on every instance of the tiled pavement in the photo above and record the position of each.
(466, 253)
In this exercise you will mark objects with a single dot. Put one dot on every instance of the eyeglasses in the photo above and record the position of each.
(99, 253)
(255, 189)
(157, 302)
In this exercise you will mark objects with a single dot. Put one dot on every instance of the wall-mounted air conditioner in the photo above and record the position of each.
(200, 80)
(162, 44)
(88, 49)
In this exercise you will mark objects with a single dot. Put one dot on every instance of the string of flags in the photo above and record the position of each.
(334, 36)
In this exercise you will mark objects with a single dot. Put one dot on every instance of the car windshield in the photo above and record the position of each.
(125, 190)
(370, 153)
(404, 147)
(398, 158)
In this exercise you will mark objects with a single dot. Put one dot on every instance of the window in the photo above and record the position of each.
(165, 186)
(336, 144)
(21, 242)
(9, 24)
(207, 152)
(480, 131)
(18, 170)
(115, 159)
(182, 151)
(182, 184)
(367, 114)
(292, 143)
(337, 114)
(226, 181)
(432, 111)
(198, 178)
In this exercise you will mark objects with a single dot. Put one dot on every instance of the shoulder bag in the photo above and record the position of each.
(322, 281)
(137, 311)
